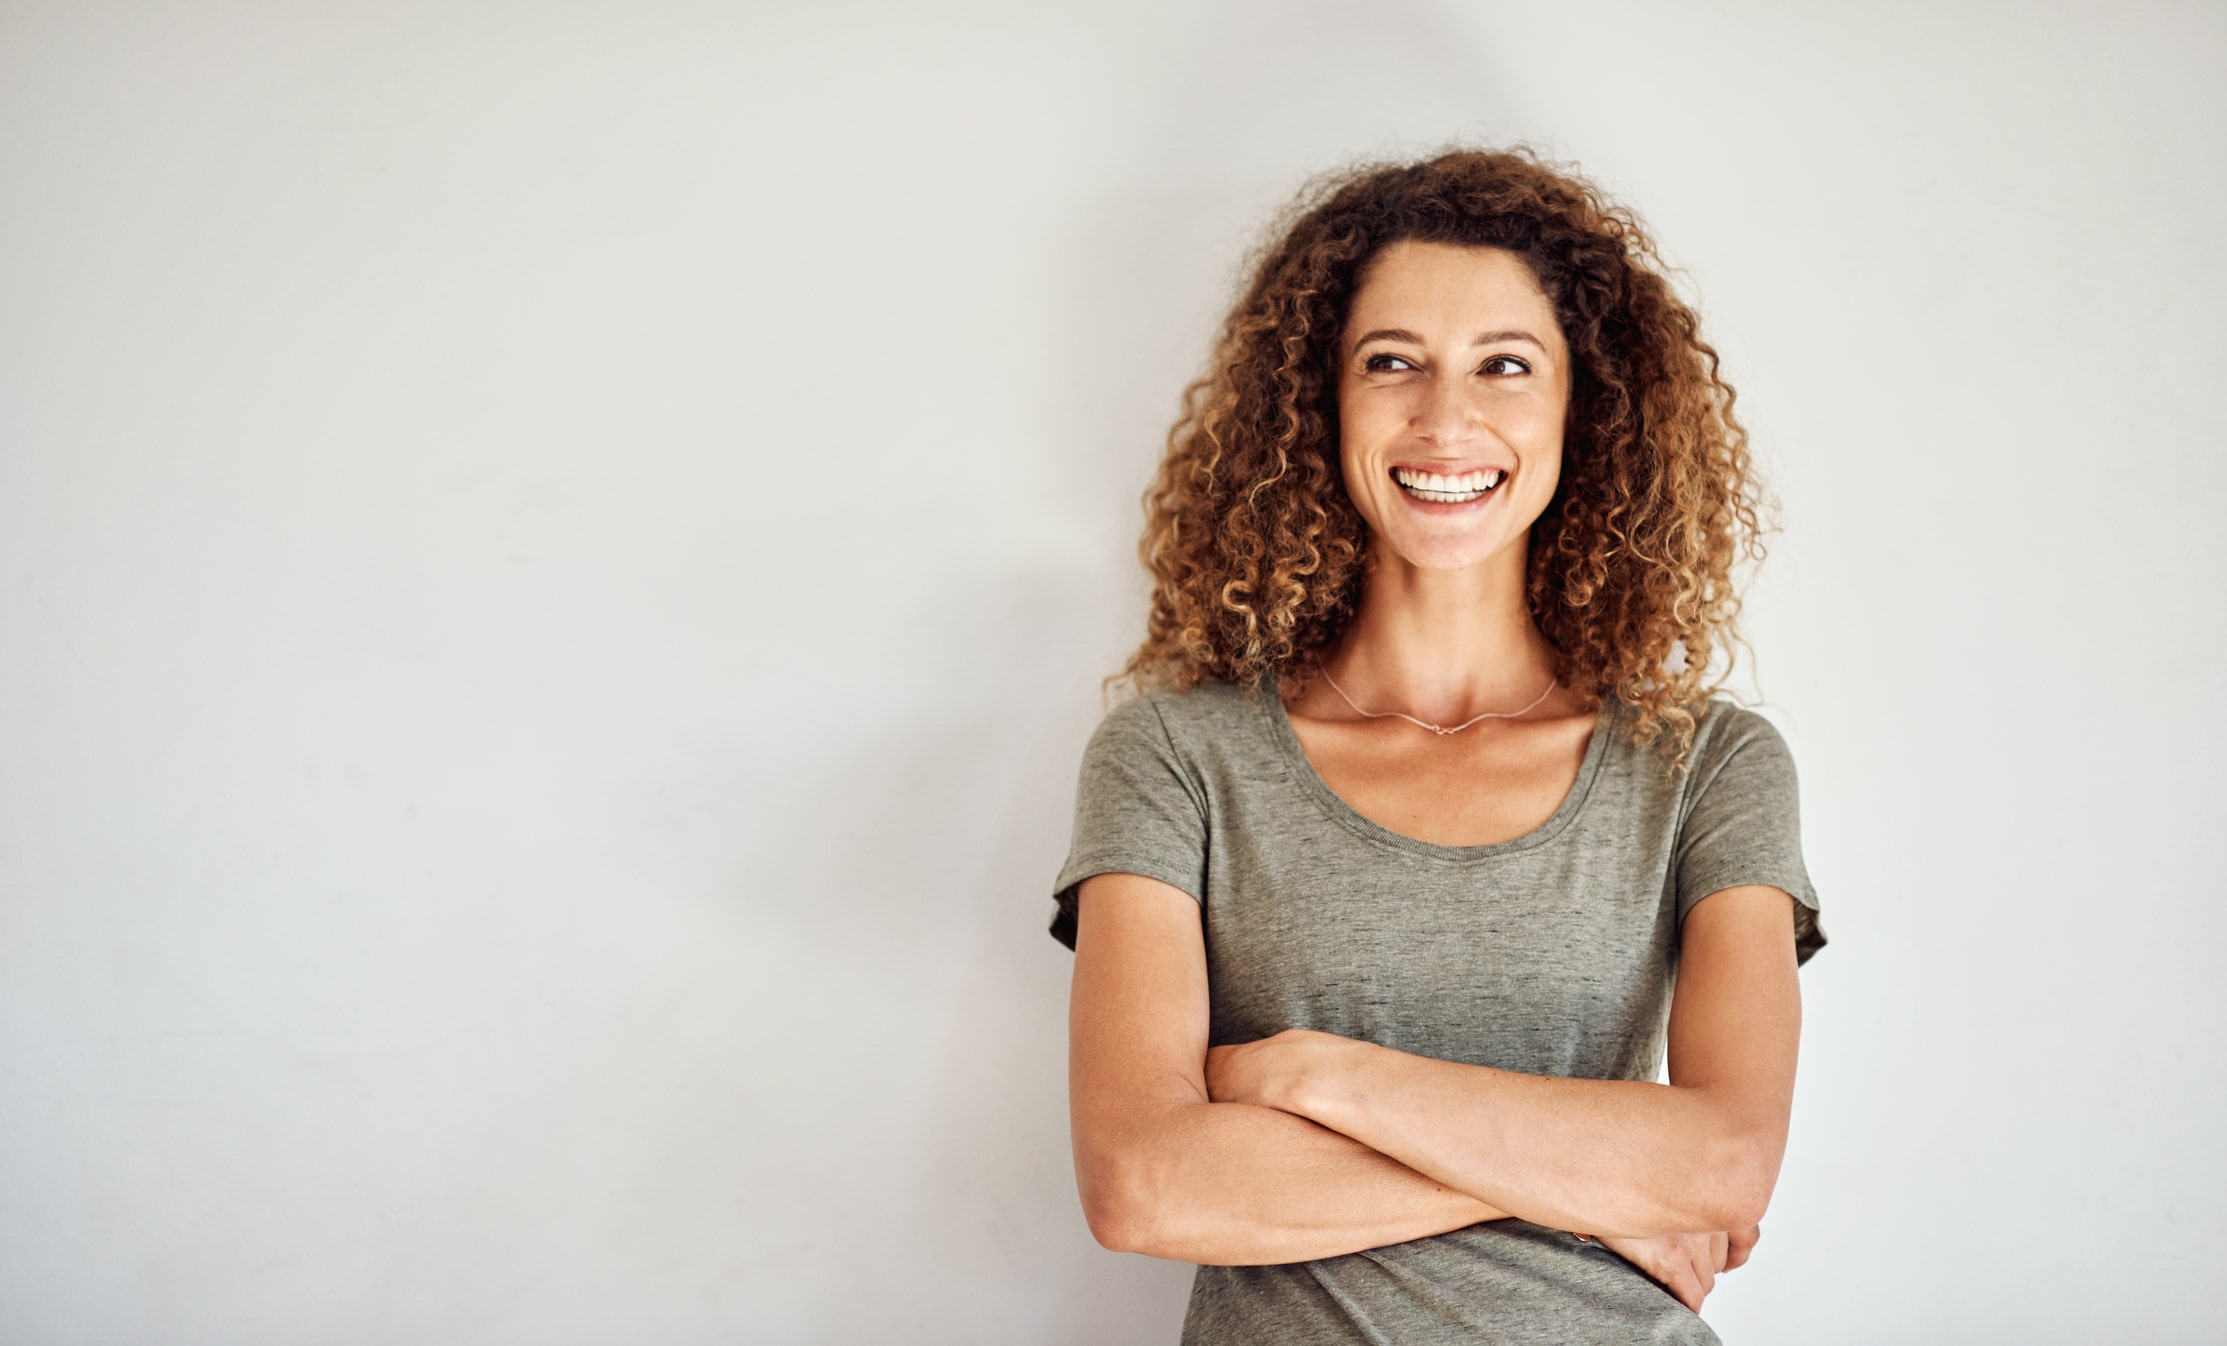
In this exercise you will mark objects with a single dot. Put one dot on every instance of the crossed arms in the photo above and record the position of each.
(1307, 1145)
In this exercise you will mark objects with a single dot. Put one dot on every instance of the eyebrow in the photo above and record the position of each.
(1482, 338)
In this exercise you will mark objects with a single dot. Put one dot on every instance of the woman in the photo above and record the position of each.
(1380, 891)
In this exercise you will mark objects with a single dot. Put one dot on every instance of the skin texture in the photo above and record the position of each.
(1306, 1144)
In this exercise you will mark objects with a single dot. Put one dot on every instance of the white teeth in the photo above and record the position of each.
(1433, 486)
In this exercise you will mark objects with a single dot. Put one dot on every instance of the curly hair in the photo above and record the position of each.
(1257, 553)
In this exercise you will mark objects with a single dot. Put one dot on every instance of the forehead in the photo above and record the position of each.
(1442, 290)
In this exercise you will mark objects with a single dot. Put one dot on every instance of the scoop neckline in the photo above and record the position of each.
(1311, 782)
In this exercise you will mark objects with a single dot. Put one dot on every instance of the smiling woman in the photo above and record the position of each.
(1381, 888)
(1451, 442)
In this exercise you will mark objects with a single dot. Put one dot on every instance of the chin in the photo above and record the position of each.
(1444, 554)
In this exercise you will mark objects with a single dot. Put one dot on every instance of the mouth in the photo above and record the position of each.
(1457, 489)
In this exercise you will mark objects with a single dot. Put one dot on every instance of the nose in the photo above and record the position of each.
(1448, 413)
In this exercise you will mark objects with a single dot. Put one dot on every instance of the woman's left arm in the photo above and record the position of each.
(1603, 1156)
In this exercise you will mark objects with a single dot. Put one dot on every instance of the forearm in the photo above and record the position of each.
(1235, 1184)
(1602, 1156)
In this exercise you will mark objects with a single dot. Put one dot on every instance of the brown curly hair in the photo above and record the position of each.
(1257, 553)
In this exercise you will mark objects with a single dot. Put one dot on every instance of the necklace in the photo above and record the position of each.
(1425, 724)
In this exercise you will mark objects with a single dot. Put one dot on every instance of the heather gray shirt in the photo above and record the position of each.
(1550, 954)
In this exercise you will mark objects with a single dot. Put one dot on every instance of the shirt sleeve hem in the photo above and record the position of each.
(1075, 871)
(1809, 936)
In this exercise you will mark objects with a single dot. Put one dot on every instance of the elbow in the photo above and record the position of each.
(1116, 1205)
(1732, 1209)
(1116, 1222)
(1736, 1176)
(1132, 1206)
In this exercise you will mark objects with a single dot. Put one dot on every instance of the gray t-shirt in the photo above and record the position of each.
(1551, 954)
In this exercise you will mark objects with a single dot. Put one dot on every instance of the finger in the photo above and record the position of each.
(1684, 1284)
(1720, 1248)
(1743, 1243)
(1664, 1261)
(1218, 1064)
(1704, 1269)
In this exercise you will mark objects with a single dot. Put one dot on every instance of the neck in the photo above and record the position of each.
(1443, 644)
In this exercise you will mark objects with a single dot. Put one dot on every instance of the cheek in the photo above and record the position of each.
(1531, 418)
(1354, 438)
(1358, 481)
(1546, 478)
(1537, 430)
(1352, 430)
(1370, 418)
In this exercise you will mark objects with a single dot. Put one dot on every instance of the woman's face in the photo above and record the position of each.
(1453, 382)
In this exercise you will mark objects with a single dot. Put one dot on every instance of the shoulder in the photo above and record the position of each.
(1201, 736)
(1741, 817)
(1723, 726)
(1183, 718)
(1724, 729)
(1733, 742)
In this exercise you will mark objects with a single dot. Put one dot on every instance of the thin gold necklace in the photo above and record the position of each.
(1425, 724)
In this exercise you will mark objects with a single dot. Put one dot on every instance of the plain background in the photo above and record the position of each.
(555, 562)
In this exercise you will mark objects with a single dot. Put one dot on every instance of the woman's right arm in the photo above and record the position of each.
(1167, 1173)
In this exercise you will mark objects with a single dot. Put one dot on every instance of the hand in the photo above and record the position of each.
(1687, 1265)
(1263, 1072)
(1742, 1242)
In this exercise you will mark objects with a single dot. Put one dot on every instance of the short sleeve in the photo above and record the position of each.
(1742, 821)
(1138, 810)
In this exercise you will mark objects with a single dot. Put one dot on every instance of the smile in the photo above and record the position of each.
(1453, 490)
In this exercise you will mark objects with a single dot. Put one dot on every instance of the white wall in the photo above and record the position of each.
(554, 562)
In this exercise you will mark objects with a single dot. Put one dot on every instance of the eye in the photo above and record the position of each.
(1384, 362)
(1504, 365)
